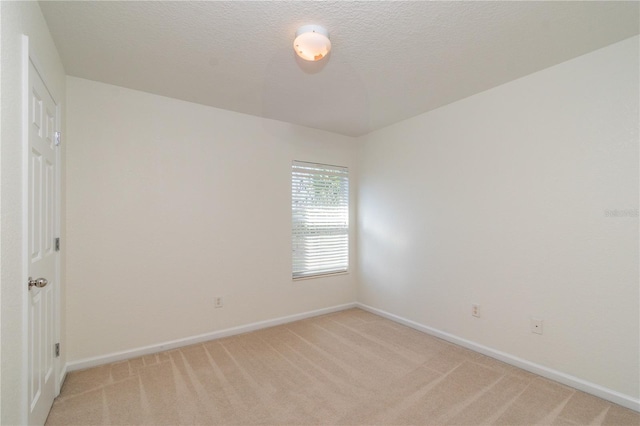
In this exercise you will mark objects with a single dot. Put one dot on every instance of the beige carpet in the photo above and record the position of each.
(348, 368)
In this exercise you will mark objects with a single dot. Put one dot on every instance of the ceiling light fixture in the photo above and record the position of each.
(312, 42)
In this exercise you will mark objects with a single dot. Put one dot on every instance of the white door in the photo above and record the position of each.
(42, 255)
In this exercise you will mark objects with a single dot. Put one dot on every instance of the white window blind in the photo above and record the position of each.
(320, 211)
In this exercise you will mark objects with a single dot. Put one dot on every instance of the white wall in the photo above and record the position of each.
(501, 199)
(171, 204)
(17, 18)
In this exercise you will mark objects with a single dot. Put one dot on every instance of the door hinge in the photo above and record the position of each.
(58, 138)
(57, 244)
(57, 350)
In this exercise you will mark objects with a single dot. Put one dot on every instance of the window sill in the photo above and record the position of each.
(311, 277)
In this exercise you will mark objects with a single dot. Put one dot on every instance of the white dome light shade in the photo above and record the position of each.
(312, 42)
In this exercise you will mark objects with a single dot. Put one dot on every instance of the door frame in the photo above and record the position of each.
(29, 56)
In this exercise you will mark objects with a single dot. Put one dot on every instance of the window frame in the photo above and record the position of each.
(339, 236)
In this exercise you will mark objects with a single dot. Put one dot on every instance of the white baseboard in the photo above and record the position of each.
(558, 376)
(62, 377)
(575, 382)
(147, 350)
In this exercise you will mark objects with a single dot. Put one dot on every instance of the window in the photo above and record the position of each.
(320, 213)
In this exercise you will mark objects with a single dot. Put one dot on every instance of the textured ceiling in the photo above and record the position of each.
(390, 60)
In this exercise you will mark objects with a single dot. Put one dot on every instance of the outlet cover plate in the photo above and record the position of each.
(475, 310)
(536, 325)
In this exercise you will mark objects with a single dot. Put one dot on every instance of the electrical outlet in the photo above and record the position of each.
(475, 310)
(536, 325)
(218, 302)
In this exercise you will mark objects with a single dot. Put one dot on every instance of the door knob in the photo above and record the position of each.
(40, 282)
